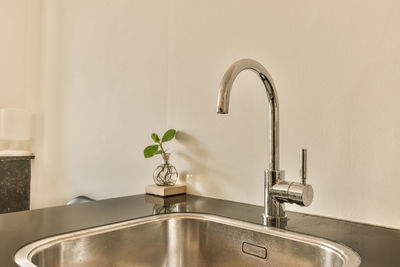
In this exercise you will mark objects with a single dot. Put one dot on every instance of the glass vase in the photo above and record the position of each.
(165, 174)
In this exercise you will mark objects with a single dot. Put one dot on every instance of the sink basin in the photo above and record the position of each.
(184, 240)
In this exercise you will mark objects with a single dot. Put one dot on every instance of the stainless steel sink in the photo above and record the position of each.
(185, 240)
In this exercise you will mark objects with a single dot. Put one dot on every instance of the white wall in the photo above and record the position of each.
(336, 66)
(13, 53)
(103, 91)
(19, 33)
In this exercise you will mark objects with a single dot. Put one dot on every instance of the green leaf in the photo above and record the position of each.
(158, 152)
(155, 137)
(168, 135)
(150, 151)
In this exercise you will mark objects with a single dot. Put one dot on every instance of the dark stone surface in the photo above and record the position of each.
(15, 183)
(377, 246)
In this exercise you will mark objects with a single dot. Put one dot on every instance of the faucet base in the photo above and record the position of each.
(274, 210)
(280, 222)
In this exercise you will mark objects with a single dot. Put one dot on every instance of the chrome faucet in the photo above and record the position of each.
(277, 191)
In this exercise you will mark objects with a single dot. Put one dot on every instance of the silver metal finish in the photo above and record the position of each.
(296, 193)
(223, 101)
(185, 240)
(277, 190)
(303, 165)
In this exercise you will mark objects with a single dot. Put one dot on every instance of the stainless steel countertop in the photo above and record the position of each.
(377, 246)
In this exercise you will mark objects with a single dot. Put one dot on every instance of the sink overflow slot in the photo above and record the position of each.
(254, 250)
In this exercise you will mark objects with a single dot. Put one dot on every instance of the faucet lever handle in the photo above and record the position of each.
(303, 165)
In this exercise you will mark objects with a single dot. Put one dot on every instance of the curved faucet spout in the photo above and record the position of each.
(223, 102)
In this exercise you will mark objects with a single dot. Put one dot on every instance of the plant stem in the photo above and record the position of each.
(162, 149)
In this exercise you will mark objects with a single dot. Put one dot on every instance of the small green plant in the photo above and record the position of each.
(152, 150)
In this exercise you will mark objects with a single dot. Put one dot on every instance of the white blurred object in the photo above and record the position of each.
(15, 132)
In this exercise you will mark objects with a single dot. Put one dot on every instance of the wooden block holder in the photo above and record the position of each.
(166, 191)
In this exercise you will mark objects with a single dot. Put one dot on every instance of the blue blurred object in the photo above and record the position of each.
(80, 199)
